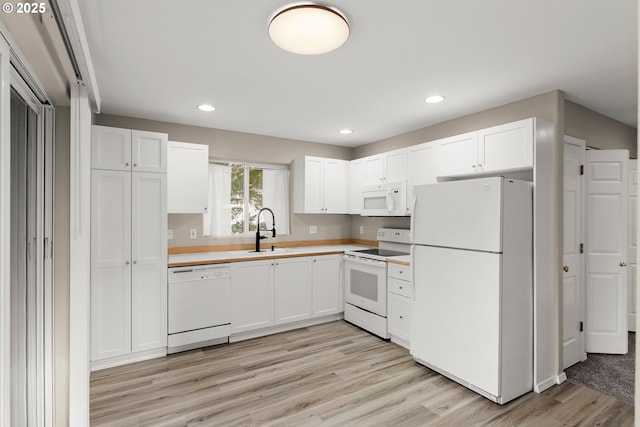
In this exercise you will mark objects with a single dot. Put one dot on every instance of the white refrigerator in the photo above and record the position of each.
(472, 318)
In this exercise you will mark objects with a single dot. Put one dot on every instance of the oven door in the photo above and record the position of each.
(366, 284)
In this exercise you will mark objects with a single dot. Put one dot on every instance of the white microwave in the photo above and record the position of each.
(386, 199)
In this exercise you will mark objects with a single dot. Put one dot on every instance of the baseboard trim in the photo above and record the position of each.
(550, 382)
(283, 328)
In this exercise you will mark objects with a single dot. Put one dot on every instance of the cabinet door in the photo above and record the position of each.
(399, 317)
(506, 147)
(148, 151)
(110, 264)
(110, 148)
(356, 180)
(458, 155)
(395, 165)
(373, 169)
(187, 177)
(149, 261)
(327, 285)
(292, 287)
(335, 188)
(313, 188)
(251, 295)
(422, 168)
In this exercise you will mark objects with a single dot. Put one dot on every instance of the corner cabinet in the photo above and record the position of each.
(187, 177)
(128, 262)
(320, 185)
(503, 148)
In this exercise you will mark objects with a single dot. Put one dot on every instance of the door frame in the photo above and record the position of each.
(580, 143)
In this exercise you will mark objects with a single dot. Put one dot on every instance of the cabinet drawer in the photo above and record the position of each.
(400, 287)
(398, 271)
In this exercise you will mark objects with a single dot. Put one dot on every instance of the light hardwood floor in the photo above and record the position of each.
(331, 375)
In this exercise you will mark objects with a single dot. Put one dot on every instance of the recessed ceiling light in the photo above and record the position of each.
(346, 131)
(308, 29)
(434, 99)
(206, 107)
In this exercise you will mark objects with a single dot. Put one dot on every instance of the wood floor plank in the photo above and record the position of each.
(332, 374)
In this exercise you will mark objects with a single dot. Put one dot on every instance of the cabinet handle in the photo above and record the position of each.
(126, 164)
(401, 317)
(623, 264)
(126, 263)
(135, 164)
(135, 262)
(566, 268)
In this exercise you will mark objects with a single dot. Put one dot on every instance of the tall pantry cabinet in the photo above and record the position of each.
(128, 245)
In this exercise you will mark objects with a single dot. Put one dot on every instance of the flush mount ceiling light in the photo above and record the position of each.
(346, 131)
(308, 29)
(206, 107)
(434, 99)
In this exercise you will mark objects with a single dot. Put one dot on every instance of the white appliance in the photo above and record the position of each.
(366, 280)
(199, 307)
(472, 318)
(385, 199)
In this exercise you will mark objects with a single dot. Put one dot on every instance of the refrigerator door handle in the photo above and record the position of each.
(412, 224)
(412, 260)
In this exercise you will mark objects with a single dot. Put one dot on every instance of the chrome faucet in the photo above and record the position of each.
(273, 229)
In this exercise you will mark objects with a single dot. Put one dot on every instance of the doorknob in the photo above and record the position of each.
(566, 268)
(623, 264)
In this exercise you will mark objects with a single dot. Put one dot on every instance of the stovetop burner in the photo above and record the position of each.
(380, 252)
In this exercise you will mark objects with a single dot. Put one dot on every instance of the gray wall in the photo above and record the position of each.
(245, 147)
(597, 130)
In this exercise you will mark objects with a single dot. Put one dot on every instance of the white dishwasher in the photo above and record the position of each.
(199, 302)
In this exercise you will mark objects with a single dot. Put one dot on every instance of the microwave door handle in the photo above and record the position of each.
(390, 201)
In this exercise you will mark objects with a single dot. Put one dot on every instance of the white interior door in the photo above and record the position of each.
(633, 245)
(606, 243)
(573, 349)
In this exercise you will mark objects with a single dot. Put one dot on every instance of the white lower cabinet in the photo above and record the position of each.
(328, 293)
(251, 295)
(292, 284)
(267, 293)
(399, 301)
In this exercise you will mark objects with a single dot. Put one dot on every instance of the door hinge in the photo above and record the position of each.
(581, 326)
(581, 169)
(581, 248)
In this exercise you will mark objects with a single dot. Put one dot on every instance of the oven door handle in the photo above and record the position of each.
(370, 262)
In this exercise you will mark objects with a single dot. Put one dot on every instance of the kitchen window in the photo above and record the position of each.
(237, 191)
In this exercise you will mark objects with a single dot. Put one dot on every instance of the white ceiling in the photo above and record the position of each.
(159, 59)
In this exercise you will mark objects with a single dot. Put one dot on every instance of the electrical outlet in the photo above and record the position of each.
(313, 229)
(169, 234)
(192, 233)
(361, 229)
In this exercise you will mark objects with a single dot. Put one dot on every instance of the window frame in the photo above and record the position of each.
(247, 166)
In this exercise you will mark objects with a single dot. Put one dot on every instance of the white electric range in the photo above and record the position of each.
(365, 278)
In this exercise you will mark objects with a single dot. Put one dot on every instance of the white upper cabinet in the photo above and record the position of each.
(128, 150)
(506, 147)
(148, 151)
(320, 185)
(422, 168)
(187, 177)
(110, 148)
(386, 167)
(458, 155)
(503, 148)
